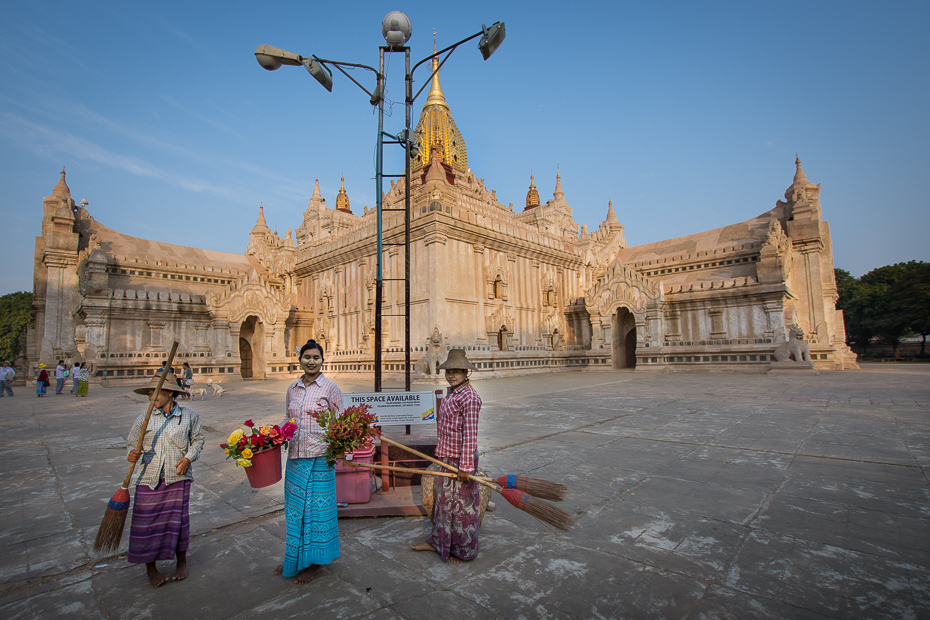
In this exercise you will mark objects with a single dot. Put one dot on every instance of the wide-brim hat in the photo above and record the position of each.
(170, 385)
(42, 366)
(457, 361)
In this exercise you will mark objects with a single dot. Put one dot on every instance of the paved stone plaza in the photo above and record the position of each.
(697, 496)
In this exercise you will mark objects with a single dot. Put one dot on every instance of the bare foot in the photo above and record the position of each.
(423, 546)
(456, 560)
(155, 578)
(307, 574)
(279, 570)
(180, 571)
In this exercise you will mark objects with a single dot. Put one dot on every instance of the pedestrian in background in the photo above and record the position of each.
(61, 373)
(41, 381)
(76, 375)
(6, 379)
(83, 377)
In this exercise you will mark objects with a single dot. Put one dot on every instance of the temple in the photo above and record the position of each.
(532, 291)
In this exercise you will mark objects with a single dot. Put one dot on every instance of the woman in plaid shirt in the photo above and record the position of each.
(172, 441)
(457, 505)
(309, 485)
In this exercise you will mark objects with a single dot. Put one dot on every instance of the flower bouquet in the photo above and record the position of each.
(347, 431)
(259, 451)
(242, 448)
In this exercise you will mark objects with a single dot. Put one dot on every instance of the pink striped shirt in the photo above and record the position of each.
(303, 401)
(457, 426)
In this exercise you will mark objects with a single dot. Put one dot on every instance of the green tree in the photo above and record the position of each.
(15, 319)
(892, 301)
(915, 299)
(854, 302)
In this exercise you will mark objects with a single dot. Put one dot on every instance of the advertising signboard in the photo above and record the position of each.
(398, 408)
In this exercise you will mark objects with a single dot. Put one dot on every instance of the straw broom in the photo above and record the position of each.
(543, 489)
(535, 507)
(114, 519)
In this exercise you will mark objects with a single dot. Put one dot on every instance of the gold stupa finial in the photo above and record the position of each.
(342, 198)
(532, 196)
(436, 96)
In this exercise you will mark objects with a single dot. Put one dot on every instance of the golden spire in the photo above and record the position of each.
(342, 199)
(532, 196)
(437, 130)
(436, 96)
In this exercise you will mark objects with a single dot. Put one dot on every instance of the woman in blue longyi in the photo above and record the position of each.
(309, 484)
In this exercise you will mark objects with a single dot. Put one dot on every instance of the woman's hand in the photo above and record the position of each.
(182, 465)
(134, 456)
(464, 476)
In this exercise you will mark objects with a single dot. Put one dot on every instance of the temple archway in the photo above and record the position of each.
(245, 358)
(251, 349)
(624, 339)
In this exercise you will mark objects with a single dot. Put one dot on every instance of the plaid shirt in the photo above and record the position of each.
(303, 402)
(457, 426)
(168, 438)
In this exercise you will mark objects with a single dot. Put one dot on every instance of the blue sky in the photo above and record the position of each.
(687, 115)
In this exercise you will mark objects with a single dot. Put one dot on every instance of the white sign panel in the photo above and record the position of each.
(399, 408)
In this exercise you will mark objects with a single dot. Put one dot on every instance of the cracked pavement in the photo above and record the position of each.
(696, 496)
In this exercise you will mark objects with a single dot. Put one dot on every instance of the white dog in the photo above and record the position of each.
(202, 392)
(217, 388)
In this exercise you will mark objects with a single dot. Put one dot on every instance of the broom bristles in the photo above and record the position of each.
(542, 510)
(114, 520)
(543, 489)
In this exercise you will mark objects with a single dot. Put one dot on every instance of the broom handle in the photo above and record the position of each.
(425, 472)
(408, 470)
(485, 481)
(148, 412)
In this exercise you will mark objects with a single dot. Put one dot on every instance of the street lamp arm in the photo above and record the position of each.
(449, 49)
(340, 65)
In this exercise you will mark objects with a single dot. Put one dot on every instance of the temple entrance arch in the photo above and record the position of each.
(623, 330)
(251, 349)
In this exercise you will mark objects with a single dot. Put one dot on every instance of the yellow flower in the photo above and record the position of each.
(246, 454)
(265, 430)
(235, 437)
(244, 463)
(226, 450)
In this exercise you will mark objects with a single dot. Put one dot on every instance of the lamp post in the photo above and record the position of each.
(397, 29)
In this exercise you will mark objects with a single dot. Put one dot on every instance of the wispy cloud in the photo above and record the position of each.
(201, 117)
(51, 143)
(31, 104)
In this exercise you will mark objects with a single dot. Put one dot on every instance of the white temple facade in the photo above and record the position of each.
(523, 291)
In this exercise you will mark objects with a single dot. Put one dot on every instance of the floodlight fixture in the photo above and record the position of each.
(396, 28)
(271, 58)
(492, 39)
(319, 71)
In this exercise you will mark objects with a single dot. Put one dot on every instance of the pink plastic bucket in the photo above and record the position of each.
(353, 485)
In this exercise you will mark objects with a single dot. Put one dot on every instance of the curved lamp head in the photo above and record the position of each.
(271, 58)
(396, 28)
(320, 72)
(492, 39)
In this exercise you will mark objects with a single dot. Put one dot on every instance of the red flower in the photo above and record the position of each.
(249, 423)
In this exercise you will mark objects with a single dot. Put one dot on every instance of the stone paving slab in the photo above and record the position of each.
(696, 496)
